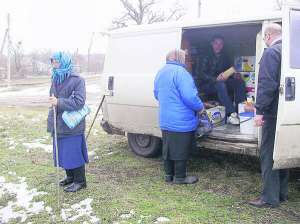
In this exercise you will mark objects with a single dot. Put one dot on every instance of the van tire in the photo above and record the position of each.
(144, 145)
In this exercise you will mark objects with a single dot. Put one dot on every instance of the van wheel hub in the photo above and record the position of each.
(143, 140)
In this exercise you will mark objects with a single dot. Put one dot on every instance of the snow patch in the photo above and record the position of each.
(41, 91)
(162, 220)
(91, 153)
(21, 206)
(127, 215)
(12, 173)
(36, 145)
(12, 144)
(111, 153)
(78, 210)
(96, 157)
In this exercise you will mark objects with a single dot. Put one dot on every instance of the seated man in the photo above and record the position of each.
(212, 80)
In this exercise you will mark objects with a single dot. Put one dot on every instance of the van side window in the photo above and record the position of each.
(294, 39)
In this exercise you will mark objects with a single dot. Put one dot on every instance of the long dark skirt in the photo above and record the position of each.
(177, 145)
(72, 152)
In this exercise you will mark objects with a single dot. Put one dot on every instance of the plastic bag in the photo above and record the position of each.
(73, 118)
(205, 126)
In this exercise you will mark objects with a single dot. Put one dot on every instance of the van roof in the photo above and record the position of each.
(186, 24)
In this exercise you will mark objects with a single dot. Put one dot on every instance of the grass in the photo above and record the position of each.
(120, 182)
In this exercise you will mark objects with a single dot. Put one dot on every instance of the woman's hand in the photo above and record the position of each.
(53, 101)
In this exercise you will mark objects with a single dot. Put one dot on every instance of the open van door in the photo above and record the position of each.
(287, 140)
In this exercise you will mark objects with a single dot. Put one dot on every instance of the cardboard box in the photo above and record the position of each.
(244, 63)
(216, 115)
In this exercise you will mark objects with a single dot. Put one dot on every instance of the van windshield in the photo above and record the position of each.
(294, 39)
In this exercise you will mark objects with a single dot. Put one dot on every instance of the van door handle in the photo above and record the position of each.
(290, 88)
(110, 85)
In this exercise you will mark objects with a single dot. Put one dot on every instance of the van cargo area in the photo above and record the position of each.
(240, 40)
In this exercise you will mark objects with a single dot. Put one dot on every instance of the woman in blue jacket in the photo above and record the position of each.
(67, 93)
(179, 105)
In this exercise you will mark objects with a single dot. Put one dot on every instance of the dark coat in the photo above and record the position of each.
(269, 81)
(212, 66)
(71, 96)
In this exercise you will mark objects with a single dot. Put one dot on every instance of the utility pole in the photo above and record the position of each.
(8, 50)
(199, 8)
(89, 52)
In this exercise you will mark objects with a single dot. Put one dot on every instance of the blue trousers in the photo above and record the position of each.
(222, 89)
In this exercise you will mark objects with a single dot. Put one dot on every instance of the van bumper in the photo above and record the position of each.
(110, 129)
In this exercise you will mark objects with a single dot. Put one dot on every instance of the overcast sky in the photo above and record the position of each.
(68, 24)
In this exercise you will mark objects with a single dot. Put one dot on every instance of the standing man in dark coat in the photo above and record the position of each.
(275, 182)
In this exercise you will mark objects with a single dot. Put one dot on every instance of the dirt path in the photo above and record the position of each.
(36, 93)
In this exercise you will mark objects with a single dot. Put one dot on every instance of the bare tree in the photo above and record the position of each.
(145, 11)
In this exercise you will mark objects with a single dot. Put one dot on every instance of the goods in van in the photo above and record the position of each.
(205, 125)
(211, 104)
(244, 63)
(216, 115)
(247, 125)
(249, 79)
(251, 95)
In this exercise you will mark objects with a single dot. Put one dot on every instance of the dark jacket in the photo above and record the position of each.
(212, 66)
(71, 96)
(269, 81)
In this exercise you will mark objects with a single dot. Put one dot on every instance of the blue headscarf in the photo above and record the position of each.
(59, 75)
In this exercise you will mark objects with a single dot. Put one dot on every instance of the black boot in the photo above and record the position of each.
(68, 180)
(79, 180)
(186, 180)
(180, 174)
(169, 170)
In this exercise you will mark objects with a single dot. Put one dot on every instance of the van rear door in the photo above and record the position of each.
(287, 141)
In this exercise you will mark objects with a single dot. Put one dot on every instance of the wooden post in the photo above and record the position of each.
(89, 52)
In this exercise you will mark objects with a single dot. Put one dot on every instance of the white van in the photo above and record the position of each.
(135, 54)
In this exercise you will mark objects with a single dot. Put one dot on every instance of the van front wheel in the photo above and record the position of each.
(144, 145)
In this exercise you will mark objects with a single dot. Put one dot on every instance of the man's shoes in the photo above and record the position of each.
(233, 119)
(186, 180)
(282, 200)
(65, 182)
(169, 178)
(74, 187)
(260, 203)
